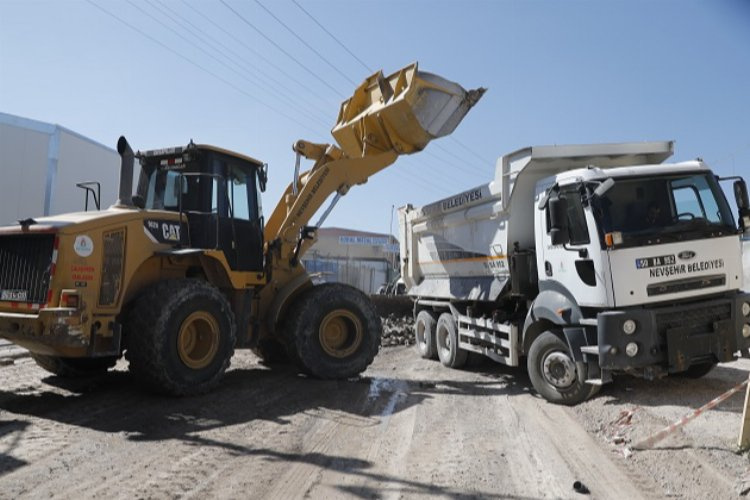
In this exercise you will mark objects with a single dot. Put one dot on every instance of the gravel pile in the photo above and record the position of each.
(397, 330)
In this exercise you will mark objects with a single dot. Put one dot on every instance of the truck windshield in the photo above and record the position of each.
(668, 208)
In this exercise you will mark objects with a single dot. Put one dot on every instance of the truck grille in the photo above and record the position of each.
(694, 320)
(25, 267)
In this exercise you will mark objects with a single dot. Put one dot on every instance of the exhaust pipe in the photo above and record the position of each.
(125, 198)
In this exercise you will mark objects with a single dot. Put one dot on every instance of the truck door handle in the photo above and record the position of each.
(547, 268)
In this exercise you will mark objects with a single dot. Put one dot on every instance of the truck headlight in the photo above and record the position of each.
(746, 330)
(631, 349)
(629, 327)
(746, 309)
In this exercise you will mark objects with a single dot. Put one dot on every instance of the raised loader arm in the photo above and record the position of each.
(386, 117)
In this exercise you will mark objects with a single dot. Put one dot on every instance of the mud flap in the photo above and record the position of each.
(587, 365)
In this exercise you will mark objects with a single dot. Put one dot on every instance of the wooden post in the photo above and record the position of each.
(744, 442)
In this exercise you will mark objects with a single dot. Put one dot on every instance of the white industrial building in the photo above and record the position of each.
(360, 259)
(42, 163)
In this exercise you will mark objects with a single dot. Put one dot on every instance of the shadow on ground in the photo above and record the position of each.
(114, 404)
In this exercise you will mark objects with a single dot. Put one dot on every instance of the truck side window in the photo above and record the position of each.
(579, 233)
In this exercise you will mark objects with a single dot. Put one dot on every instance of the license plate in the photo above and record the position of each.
(14, 295)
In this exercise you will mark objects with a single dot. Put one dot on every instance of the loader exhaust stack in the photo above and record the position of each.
(125, 197)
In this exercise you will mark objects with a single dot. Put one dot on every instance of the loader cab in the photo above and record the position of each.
(217, 190)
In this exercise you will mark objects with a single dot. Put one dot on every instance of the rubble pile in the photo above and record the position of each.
(397, 330)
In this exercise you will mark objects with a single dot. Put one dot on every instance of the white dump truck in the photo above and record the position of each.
(587, 261)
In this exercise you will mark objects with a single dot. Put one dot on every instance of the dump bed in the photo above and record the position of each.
(456, 247)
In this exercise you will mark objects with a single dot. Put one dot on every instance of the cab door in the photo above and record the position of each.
(577, 265)
(241, 221)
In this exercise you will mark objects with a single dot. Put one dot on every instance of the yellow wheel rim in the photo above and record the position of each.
(340, 333)
(198, 340)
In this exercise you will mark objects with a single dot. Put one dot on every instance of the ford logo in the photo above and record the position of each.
(686, 255)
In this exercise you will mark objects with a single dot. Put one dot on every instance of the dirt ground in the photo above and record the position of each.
(407, 428)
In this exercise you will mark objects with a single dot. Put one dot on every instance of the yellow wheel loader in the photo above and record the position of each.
(179, 274)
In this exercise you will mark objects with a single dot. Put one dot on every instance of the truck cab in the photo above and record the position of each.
(652, 254)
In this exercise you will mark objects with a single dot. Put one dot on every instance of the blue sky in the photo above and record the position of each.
(163, 72)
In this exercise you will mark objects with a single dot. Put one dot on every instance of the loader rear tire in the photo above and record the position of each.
(446, 341)
(180, 337)
(424, 333)
(74, 367)
(336, 331)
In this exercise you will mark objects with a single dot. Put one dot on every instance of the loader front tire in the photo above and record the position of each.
(181, 337)
(74, 367)
(336, 331)
(424, 333)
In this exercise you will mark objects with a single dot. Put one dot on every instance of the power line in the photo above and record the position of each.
(332, 36)
(467, 148)
(304, 42)
(199, 66)
(453, 166)
(315, 75)
(461, 159)
(265, 59)
(180, 35)
(181, 21)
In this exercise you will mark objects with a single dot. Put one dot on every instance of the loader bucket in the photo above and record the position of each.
(402, 112)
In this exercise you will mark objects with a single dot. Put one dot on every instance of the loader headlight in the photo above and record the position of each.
(631, 349)
(629, 327)
(745, 309)
(746, 330)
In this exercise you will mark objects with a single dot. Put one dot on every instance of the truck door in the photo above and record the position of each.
(578, 265)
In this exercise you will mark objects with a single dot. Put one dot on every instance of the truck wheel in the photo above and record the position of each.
(553, 372)
(74, 367)
(424, 332)
(698, 371)
(181, 337)
(446, 342)
(336, 331)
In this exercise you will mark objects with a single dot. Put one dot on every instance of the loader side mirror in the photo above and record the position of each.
(558, 220)
(263, 177)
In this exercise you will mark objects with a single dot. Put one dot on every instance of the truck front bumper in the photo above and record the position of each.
(674, 337)
(59, 331)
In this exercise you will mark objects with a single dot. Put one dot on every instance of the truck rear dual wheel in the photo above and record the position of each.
(180, 337)
(446, 342)
(553, 372)
(74, 367)
(424, 333)
(336, 331)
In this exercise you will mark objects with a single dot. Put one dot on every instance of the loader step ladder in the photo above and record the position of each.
(497, 341)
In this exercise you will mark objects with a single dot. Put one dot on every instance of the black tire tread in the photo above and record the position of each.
(430, 350)
(147, 327)
(304, 316)
(580, 391)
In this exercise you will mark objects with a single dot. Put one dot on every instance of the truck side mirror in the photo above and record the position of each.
(558, 220)
(740, 195)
